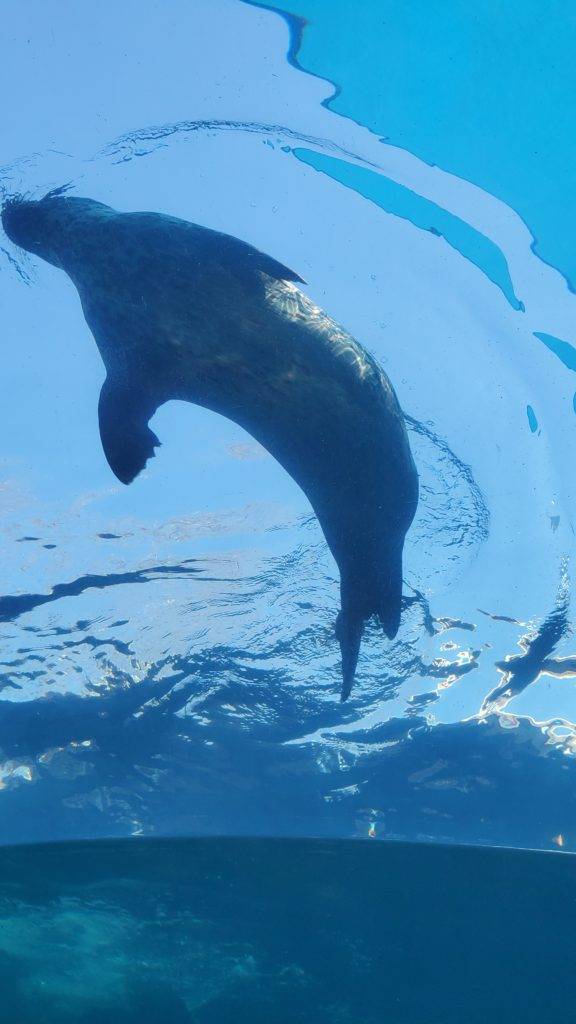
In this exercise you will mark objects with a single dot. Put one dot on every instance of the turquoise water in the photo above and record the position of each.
(402, 202)
(220, 931)
(484, 94)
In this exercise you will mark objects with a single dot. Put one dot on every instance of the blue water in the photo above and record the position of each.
(249, 931)
(169, 664)
(484, 95)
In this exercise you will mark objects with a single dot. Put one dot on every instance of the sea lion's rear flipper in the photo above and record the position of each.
(128, 442)
(349, 629)
(362, 598)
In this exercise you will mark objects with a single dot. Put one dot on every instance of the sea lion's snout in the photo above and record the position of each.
(20, 222)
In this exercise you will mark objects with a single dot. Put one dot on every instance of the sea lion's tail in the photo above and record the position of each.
(383, 599)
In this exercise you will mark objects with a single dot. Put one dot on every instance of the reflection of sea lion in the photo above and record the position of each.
(182, 312)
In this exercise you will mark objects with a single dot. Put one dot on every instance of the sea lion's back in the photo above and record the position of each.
(202, 250)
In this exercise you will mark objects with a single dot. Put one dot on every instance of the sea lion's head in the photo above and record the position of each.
(30, 225)
(41, 226)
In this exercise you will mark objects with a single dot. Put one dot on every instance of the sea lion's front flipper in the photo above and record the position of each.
(127, 440)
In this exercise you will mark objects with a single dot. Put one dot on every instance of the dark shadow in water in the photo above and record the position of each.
(501, 618)
(12, 606)
(521, 670)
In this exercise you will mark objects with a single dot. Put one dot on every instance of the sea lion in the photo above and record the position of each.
(179, 311)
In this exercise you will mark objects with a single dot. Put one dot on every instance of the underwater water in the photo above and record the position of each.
(215, 931)
(169, 665)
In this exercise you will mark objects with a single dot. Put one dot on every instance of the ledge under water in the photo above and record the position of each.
(253, 930)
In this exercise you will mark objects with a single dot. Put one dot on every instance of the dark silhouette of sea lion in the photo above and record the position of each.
(182, 312)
